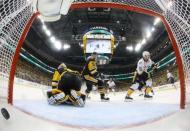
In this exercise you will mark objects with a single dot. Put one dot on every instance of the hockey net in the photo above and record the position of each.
(15, 14)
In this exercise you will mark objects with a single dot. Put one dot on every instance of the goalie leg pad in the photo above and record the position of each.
(57, 98)
(78, 101)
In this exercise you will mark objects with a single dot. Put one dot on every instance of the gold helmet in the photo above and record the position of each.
(62, 66)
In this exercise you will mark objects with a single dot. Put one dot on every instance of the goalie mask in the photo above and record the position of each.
(146, 55)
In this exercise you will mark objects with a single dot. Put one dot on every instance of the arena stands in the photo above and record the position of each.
(32, 73)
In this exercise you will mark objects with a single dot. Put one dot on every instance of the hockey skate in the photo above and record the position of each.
(104, 99)
(147, 97)
(141, 94)
(128, 99)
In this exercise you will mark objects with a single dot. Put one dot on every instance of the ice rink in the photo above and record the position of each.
(30, 111)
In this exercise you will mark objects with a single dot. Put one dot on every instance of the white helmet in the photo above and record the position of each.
(63, 66)
(146, 55)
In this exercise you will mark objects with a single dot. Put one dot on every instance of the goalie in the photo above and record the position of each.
(142, 75)
(66, 85)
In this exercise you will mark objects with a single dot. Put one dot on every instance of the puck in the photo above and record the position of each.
(5, 113)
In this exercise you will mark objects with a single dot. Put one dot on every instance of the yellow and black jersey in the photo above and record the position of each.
(57, 76)
(55, 79)
(90, 67)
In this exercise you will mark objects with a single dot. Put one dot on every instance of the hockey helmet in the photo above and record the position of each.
(62, 66)
(146, 55)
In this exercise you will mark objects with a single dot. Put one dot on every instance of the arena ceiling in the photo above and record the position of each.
(128, 27)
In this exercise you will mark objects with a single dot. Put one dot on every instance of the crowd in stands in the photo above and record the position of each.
(29, 72)
(32, 73)
(160, 77)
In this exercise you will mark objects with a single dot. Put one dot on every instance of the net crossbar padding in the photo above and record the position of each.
(175, 17)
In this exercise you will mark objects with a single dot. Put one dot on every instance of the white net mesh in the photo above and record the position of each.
(178, 17)
(14, 15)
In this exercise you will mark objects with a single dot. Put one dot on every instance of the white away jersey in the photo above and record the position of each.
(111, 84)
(142, 66)
(169, 75)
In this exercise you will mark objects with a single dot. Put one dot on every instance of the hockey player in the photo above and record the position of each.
(111, 85)
(57, 74)
(90, 75)
(142, 75)
(67, 88)
(170, 78)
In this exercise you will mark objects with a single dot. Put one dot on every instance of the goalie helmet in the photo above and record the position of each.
(146, 55)
(62, 66)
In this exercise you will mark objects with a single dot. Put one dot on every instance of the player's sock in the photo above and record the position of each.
(129, 92)
(147, 91)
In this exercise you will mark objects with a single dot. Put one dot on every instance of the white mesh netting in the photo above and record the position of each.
(14, 15)
(178, 17)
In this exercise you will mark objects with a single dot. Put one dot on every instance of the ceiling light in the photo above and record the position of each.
(156, 21)
(79, 21)
(138, 47)
(143, 41)
(58, 45)
(66, 46)
(44, 27)
(53, 39)
(148, 34)
(48, 32)
(153, 29)
(130, 48)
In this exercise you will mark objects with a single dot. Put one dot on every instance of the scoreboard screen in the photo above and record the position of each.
(99, 46)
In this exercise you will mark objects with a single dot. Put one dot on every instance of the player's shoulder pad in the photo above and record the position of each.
(140, 61)
(90, 58)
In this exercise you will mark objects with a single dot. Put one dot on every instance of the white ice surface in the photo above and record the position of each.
(96, 114)
(20, 121)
